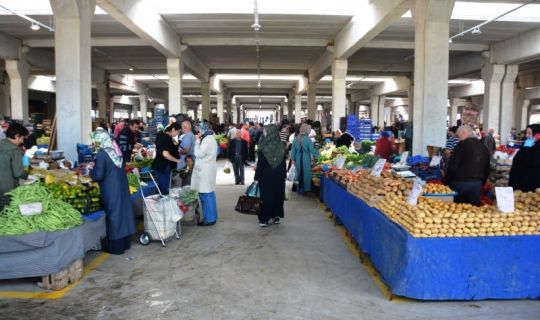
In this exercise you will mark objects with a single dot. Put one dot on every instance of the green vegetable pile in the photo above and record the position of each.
(366, 145)
(56, 215)
(146, 163)
(133, 180)
(369, 160)
(189, 196)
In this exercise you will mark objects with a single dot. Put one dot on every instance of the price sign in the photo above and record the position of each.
(416, 191)
(378, 167)
(505, 199)
(435, 161)
(340, 162)
(404, 156)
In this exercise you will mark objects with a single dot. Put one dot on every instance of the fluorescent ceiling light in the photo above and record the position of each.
(143, 77)
(359, 78)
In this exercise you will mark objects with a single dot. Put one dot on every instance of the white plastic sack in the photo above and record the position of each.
(228, 165)
(293, 175)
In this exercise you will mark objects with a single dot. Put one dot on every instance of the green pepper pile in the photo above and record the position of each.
(56, 215)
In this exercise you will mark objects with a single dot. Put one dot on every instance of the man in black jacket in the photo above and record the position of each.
(238, 154)
(468, 167)
(127, 139)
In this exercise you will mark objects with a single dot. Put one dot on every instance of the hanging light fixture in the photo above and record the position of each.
(35, 26)
(257, 28)
(476, 31)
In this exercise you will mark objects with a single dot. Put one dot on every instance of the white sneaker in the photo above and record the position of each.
(263, 225)
(276, 220)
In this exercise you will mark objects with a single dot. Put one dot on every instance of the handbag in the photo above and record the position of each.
(248, 205)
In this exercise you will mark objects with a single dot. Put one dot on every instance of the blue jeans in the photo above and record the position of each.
(468, 191)
(163, 180)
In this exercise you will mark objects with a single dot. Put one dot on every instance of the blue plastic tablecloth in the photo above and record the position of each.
(468, 268)
(148, 190)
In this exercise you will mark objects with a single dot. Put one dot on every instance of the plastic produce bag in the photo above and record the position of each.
(253, 190)
(228, 167)
(292, 176)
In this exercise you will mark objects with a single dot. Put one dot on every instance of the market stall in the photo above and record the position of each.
(421, 252)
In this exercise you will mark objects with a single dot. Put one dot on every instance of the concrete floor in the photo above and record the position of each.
(301, 269)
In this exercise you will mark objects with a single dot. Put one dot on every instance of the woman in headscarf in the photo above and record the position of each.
(271, 174)
(108, 171)
(525, 172)
(203, 178)
(302, 154)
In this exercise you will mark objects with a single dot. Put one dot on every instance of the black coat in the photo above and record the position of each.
(469, 161)
(271, 187)
(525, 172)
(231, 150)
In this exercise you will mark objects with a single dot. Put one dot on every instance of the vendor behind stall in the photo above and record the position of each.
(468, 167)
(525, 172)
(383, 146)
(346, 139)
(11, 155)
(127, 139)
(108, 171)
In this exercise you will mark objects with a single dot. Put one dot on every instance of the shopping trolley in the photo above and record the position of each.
(161, 217)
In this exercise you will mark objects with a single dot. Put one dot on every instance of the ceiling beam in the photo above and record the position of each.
(392, 44)
(194, 65)
(367, 24)
(143, 20)
(521, 48)
(466, 64)
(322, 65)
(95, 42)
(236, 41)
(396, 84)
(474, 89)
(10, 47)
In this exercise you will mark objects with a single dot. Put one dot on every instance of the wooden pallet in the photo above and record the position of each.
(62, 279)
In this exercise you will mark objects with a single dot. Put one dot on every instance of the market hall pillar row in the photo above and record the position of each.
(143, 103)
(4, 96)
(102, 92)
(522, 111)
(455, 103)
(290, 108)
(219, 107)
(297, 108)
(312, 97)
(431, 60)
(72, 21)
(339, 92)
(507, 102)
(282, 108)
(205, 93)
(18, 71)
(377, 111)
(175, 70)
(492, 74)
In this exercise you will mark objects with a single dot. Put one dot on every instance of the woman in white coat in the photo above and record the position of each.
(203, 178)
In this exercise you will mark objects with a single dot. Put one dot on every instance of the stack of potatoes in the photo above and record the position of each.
(527, 201)
(433, 188)
(368, 188)
(435, 218)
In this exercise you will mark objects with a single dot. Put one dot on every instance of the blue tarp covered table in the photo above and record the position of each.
(467, 268)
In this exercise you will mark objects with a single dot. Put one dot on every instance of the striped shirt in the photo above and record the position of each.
(284, 135)
(451, 143)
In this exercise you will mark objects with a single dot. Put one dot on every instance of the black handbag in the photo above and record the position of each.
(248, 205)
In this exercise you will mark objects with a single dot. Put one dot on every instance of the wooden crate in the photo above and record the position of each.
(62, 279)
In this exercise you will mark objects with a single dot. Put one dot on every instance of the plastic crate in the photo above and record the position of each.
(85, 204)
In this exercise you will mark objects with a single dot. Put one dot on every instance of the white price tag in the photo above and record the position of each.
(435, 161)
(416, 191)
(404, 156)
(505, 199)
(378, 167)
(340, 162)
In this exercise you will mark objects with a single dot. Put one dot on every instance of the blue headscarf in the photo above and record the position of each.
(206, 129)
(385, 134)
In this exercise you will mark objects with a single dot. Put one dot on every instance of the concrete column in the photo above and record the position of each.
(493, 75)
(410, 95)
(135, 108)
(381, 109)
(373, 110)
(219, 107)
(312, 97)
(4, 96)
(522, 110)
(297, 108)
(290, 108)
(431, 59)
(339, 91)
(18, 79)
(229, 109)
(455, 103)
(282, 110)
(72, 21)
(101, 88)
(205, 92)
(507, 102)
(111, 109)
(143, 103)
(175, 70)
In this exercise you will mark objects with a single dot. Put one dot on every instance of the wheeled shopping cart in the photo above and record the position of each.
(161, 217)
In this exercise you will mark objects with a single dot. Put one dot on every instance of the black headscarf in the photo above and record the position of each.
(535, 128)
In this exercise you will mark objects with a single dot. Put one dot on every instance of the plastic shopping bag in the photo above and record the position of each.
(253, 190)
(228, 167)
(292, 176)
